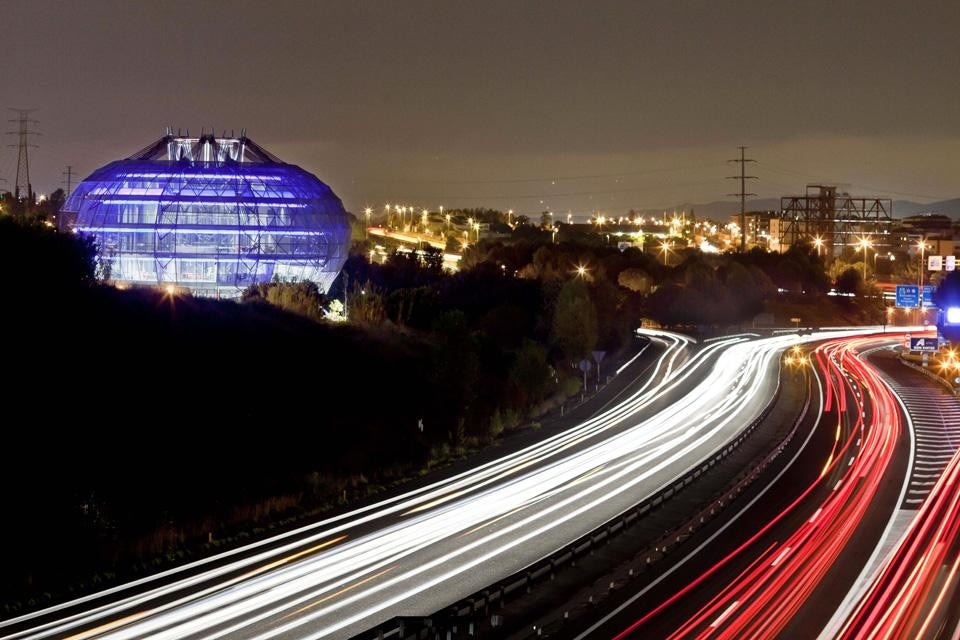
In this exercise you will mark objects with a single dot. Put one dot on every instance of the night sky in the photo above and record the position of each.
(571, 106)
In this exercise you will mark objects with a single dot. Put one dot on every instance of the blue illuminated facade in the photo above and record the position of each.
(212, 215)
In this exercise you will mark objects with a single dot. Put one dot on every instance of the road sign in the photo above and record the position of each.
(934, 263)
(908, 296)
(949, 263)
(928, 295)
(923, 344)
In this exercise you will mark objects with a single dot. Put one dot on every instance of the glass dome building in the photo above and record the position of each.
(212, 215)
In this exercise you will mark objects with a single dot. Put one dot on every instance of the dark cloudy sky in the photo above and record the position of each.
(567, 105)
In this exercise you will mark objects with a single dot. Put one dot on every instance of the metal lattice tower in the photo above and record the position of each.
(743, 177)
(834, 219)
(23, 134)
(68, 174)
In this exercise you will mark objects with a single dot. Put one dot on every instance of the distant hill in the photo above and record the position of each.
(721, 209)
(950, 208)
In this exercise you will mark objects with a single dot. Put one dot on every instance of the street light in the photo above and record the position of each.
(818, 243)
(665, 247)
(581, 271)
(367, 213)
(922, 246)
(864, 244)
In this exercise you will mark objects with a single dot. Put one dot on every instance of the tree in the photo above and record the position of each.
(367, 305)
(303, 297)
(636, 280)
(53, 259)
(454, 370)
(849, 281)
(574, 320)
(530, 373)
(743, 288)
(432, 259)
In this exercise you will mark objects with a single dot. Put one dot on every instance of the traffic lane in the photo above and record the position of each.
(283, 548)
(799, 475)
(542, 527)
(733, 374)
(768, 599)
(915, 592)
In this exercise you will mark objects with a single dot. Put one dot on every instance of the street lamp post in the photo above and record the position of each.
(366, 230)
(865, 244)
(665, 250)
(922, 246)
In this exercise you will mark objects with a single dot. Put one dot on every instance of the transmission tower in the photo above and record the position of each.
(23, 132)
(68, 174)
(743, 177)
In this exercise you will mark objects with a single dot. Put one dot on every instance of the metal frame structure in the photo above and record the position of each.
(838, 219)
(212, 215)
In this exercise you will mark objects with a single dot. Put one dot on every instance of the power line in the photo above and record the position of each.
(556, 195)
(808, 176)
(23, 134)
(550, 178)
(743, 177)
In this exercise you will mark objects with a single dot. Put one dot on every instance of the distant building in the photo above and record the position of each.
(938, 232)
(212, 215)
(758, 228)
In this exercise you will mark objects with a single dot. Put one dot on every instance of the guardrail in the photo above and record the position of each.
(464, 618)
(954, 389)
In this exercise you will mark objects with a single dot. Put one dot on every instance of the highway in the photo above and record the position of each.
(797, 552)
(419, 551)
(916, 591)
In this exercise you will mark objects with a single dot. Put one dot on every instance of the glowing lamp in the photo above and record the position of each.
(952, 315)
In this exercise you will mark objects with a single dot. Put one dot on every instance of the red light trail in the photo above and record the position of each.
(763, 598)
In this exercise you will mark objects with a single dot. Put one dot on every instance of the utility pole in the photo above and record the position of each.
(69, 175)
(743, 177)
(23, 134)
